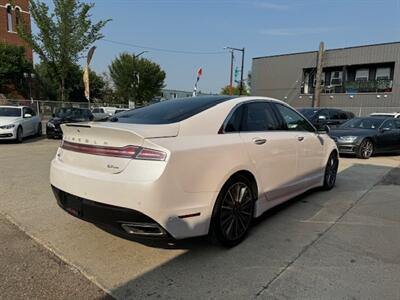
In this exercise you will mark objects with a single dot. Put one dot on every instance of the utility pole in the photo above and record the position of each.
(317, 91)
(231, 80)
(241, 75)
(242, 68)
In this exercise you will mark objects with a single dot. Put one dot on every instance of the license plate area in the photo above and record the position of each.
(73, 205)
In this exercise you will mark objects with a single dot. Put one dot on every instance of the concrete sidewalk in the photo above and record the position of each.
(29, 271)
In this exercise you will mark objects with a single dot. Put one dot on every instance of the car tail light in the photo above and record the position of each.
(151, 154)
(133, 152)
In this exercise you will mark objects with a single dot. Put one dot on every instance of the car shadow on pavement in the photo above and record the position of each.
(279, 237)
(27, 140)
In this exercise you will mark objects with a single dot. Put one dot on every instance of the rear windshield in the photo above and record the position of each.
(169, 111)
(10, 112)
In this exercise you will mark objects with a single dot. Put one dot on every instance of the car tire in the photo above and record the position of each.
(233, 212)
(39, 131)
(20, 135)
(331, 169)
(366, 149)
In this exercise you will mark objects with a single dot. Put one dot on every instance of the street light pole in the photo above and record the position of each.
(136, 75)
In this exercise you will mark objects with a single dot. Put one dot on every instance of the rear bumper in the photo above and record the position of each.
(120, 219)
(161, 201)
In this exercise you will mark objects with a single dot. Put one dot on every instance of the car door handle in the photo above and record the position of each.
(259, 141)
(300, 138)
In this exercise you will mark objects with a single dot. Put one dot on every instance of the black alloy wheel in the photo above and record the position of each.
(331, 171)
(234, 211)
(366, 149)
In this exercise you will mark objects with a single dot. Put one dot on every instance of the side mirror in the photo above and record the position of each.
(26, 116)
(325, 129)
(386, 129)
(321, 118)
(53, 115)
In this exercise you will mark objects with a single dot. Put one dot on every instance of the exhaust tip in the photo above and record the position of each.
(144, 229)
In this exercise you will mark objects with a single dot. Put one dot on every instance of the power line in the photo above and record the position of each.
(163, 49)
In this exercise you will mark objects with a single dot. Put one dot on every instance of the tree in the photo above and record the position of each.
(63, 35)
(137, 79)
(13, 65)
(236, 90)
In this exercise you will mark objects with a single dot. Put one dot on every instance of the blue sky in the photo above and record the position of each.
(262, 27)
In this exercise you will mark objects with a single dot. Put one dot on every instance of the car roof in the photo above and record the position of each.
(374, 118)
(385, 114)
(320, 108)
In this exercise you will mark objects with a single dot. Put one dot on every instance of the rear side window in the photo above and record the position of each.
(334, 114)
(170, 111)
(323, 114)
(30, 111)
(98, 111)
(389, 124)
(235, 121)
(343, 115)
(259, 116)
(294, 121)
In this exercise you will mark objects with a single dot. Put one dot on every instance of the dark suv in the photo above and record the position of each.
(320, 117)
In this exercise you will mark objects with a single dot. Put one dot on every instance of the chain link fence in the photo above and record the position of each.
(46, 108)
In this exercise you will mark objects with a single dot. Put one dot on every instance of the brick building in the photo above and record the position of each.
(10, 16)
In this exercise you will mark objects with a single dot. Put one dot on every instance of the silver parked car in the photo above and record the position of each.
(18, 122)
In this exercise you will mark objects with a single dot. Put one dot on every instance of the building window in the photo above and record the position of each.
(9, 19)
(17, 16)
(322, 79)
(362, 75)
(382, 74)
(336, 78)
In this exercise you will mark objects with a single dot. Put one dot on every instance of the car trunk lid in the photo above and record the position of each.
(108, 147)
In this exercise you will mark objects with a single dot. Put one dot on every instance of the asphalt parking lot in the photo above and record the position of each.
(342, 244)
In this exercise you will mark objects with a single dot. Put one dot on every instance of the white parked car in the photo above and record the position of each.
(386, 115)
(103, 113)
(18, 122)
(190, 167)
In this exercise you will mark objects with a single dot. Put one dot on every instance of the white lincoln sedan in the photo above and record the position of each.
(190, 167)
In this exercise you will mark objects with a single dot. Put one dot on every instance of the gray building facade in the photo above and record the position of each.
(361, 79)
